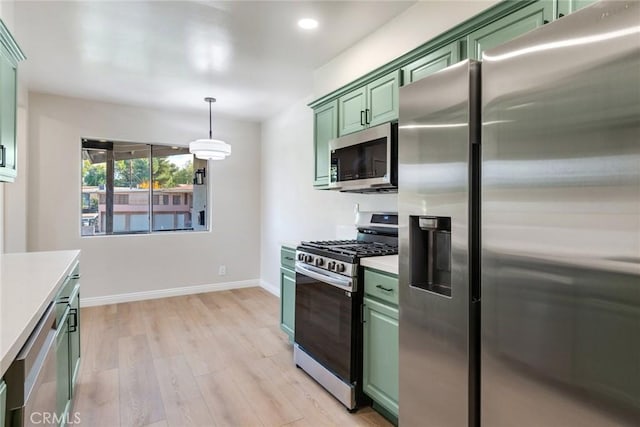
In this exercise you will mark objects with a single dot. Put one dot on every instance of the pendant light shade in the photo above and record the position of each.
(210, 149)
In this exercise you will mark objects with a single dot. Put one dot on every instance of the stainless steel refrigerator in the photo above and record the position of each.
(519, 211)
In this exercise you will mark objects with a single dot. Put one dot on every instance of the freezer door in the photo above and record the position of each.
(433, 203)
(561, 223)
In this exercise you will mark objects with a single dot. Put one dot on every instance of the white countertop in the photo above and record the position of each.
(387, 263)
(28, 283)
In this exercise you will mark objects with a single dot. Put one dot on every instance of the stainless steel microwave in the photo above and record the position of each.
(365, 161)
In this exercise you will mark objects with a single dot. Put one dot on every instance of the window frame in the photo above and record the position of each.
(111, 197)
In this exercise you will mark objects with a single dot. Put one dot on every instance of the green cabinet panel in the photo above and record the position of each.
(8, 91)
(3, 402)
(382, 99)
(62, 363)
(566, 7)
(288, 290)
(288, 257)
(369, 105)
(325, 125)
(381, 352)
(383, 286)
(288, 301)
(10, 55)
(429, 64)
(509, 27)
(74, 337)
(351, 111)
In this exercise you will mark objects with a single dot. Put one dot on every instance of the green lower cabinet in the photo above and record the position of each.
(74, 338)
(509, 27)
(288, 301)
(287, 291)
(381, 351)
(429, 64)
(325, 124)
(62, 369)
(3, 402)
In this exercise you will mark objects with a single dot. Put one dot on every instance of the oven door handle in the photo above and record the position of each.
(342, 283)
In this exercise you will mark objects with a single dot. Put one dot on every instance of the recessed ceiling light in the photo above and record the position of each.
(307, 23)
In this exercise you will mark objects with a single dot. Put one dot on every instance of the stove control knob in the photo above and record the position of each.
(319, 262)
(300, 257)
(308, 258)
(340, 268)
(331, 265)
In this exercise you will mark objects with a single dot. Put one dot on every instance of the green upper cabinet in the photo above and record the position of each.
(369, 105)
(382, 99)
(509, 27)
(432, 62)
(325, 124)
(351, 109)
(10, 55)
(566, 7)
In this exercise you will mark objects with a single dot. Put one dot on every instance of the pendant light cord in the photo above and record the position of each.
(210, 135)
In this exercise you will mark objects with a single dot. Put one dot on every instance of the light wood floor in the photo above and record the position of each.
(214, 359)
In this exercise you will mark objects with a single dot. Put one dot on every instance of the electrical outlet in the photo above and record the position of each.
(222, 270)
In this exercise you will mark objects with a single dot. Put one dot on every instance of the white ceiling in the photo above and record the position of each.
(250, 55)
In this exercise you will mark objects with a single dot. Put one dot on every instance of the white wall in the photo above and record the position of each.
(291, 209)
(127, 264)
(415, 26)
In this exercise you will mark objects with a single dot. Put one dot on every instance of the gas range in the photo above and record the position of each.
(341, 256)
(328, 304)
(377, 236)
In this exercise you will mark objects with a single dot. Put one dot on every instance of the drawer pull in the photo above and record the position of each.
(382, 288)
(288, 258)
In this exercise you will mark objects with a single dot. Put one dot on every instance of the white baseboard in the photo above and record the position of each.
(275, 290)
(172, 292)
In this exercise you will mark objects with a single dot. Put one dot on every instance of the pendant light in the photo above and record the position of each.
(210, 149)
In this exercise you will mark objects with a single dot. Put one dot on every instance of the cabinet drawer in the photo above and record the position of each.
(288, 258)
(381, 285)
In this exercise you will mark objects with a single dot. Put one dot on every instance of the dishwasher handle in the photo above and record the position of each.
(23, 373)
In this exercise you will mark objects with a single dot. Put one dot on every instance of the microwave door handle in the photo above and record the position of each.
(330, 280)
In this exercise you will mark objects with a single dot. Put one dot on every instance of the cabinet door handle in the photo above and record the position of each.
(382, 288)
(367, 116)
(546, 21)
(288, 258)
(361, 118)
(560, 15)
(2, 156)
(73, 313)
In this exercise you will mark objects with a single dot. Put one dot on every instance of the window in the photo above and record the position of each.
(127, 189)
(121, 199)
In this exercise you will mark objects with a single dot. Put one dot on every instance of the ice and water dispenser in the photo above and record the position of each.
(430, 253)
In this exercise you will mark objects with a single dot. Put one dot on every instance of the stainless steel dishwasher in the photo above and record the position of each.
(32, 378)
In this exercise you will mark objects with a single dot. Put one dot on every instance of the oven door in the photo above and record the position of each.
(325, 321)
